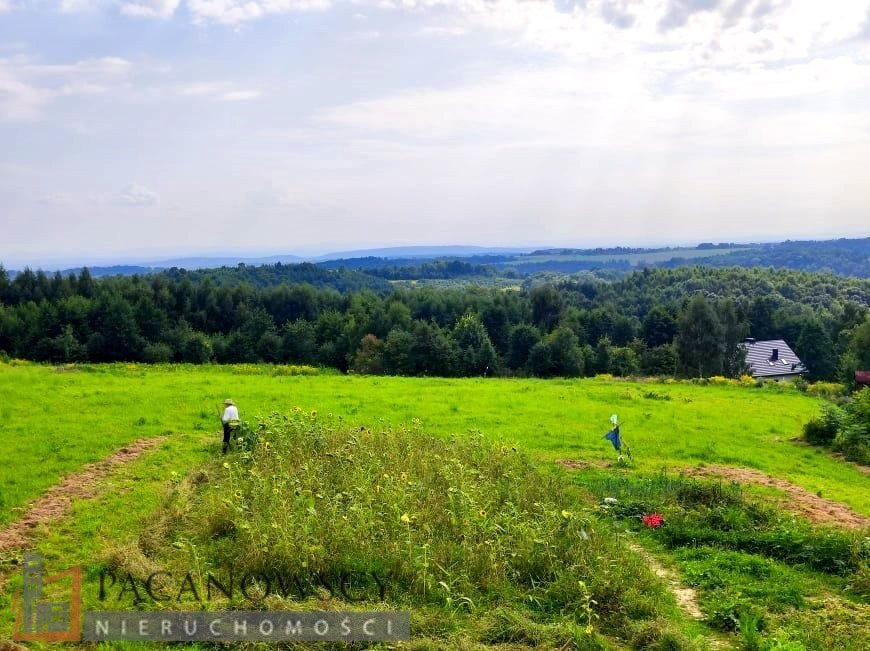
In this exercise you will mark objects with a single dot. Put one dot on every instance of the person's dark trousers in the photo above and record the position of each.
(227, 430)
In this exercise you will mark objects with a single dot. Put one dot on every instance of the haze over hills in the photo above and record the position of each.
(128, 267)
(848, 257)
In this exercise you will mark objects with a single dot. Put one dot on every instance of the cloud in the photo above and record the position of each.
(150, 8)
(434, 30)
(625, 107)
(78, 6)
(679, 11)
(616, 13)
(864, 32)
(28, 85)
(136, 195)
(240, 96)
(218, 90)
(237, 11)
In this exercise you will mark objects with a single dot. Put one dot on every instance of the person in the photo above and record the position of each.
(230, 420)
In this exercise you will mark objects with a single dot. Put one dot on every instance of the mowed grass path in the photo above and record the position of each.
(53, 422)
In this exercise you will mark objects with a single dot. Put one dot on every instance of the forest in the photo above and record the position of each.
(688, 321)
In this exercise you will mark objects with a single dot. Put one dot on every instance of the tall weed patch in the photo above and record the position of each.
(456, 525)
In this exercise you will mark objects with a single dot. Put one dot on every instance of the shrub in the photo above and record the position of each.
(822, 430)
(157, 353)
(825, 389)
(295, 369)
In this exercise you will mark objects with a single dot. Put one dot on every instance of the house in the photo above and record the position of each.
(772, 360)
(862, 379)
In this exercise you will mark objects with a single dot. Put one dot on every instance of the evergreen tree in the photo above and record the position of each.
(699, 339)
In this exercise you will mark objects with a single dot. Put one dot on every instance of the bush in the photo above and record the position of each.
(157, 353)
(825, 389)
(822, 430)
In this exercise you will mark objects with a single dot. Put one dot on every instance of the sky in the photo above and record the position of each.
(143, 128)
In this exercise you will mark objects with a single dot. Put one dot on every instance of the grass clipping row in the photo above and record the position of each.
(480, 545)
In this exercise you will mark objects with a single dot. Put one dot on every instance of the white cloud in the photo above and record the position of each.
(219, 90)
(77, 6)
(150, 8)
(240, 96)
(136, 195)
(27, 85)
(237, 11)
(624, 107)
(436, 30)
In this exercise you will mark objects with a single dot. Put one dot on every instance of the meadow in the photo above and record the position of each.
(52, 421)
(523, 554)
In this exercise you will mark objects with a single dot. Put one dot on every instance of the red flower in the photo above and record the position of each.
(653, 520)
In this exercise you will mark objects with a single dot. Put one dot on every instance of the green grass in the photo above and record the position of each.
(53, 422)
(502, 565)
(802, 584)
(749, 562)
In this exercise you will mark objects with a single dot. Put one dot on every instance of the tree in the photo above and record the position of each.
(195, 348)
(816, 350)
(157, 353)
(660, 360)
(116, 335)
(369, 357)
(659, 327)
(546, 307)
(856, 356)
(397, 352)
(540, 362)
(62, 348)
(734, 331)
(299, 342)
(432, 352)
(603, 355)
(859, 344)
(521, 340)
(565, 354)
(270, 347)
(624, 362)
(476, 353)
(623, 330)
(699, 339)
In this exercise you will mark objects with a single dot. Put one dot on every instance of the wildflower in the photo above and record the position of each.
(653, 520)
(238, 495)
(404, 476)
(226, 465)
(566, 514)
(405, 518)
(267, 446)
(482, 513)
(314, 413)
(610, 500)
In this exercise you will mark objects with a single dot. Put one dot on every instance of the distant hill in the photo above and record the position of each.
(374, 267)
(114, 270)
(429, 252)
(843, 257)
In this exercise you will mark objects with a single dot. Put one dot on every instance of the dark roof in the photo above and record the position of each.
(862, 377)
(759, 358)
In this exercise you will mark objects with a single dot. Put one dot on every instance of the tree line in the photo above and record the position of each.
(682, 322)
